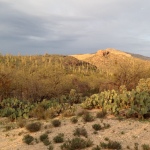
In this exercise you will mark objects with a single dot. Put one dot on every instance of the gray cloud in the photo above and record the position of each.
(73, 26)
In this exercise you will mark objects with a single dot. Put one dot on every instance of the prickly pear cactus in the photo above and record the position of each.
(14, 108)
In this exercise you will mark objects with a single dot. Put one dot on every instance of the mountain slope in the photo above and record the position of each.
(109, 59)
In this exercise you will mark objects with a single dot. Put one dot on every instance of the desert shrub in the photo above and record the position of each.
(76, 143)
(87, 117)
(96, 148)
(34, 127)
(43, 136)
(50, 147)
(96, 127)
(128, 147)
(111, 145)
(106, 126)
(74, 120)
(50, 113)
(46, 109)
(104, 145)
(95, 132)
(145, 147)
(59, 138)
(89, 143)
(28, 139)
(106, 139)
(38, 112)
(56, 123)
(80, 132)
(101, 114)
(46, 142)
(136, 146)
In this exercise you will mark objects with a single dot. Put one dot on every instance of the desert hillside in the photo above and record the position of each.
(58, 102)
(109, 57)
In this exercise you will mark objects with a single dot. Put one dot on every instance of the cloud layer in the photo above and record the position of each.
(74, 26)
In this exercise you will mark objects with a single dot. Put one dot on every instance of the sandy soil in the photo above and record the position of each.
(127, 132)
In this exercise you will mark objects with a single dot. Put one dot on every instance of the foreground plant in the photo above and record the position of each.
(74, 120)
(87, 117)
(145, 147)
(34, 127)
(80, 131)
(56, 123)
(76, 144)
(45, 139)
(96, 127)
(111, 145)
(28, 139)
(59, 138)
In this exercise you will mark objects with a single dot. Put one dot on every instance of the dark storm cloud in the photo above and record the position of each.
(73, 26)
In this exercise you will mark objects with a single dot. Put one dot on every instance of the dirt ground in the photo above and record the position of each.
(126, 131)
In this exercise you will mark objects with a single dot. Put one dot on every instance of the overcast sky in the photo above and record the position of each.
(74, 26)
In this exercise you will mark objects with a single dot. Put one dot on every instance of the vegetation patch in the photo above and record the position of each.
(111, 145)
(74, 120)
(80, 132)
(96, 127)
(87, 117)
(43, 137)
(28, 139)
(145, 147)
(56, 123)
(59, 138)
(34, 127)
(76, 143)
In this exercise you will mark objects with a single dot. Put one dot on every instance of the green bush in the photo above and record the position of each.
(74, 119)
(80, 132)
(46, 142)
(96, 127)
(145, 147)
(59, 138)
(106, 139)
(76, 144)
(43, 137)
(111, 145)
(50, 147)
(34, 127)
(87, 117)
(28, 139)
(96, 148)
(56, 123)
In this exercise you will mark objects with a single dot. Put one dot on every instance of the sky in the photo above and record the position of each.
(74, 26)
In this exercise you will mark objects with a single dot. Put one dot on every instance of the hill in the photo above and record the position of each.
(38, 77)
(105, 59)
